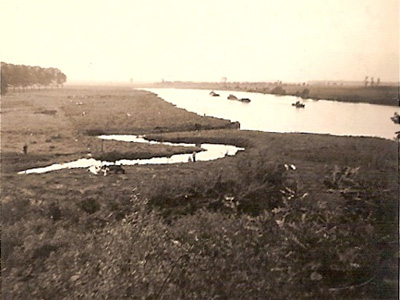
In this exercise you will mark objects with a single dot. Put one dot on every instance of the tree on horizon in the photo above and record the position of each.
(22, 76)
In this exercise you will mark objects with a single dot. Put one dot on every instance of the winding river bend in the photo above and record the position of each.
(276, 114)
(264, 113)
(210, 152)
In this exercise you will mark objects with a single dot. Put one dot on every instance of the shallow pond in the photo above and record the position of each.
(210, 152)
(276, 114)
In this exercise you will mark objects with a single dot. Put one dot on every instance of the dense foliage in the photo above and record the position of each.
(21, 76)
(257, 236)
(278, 90)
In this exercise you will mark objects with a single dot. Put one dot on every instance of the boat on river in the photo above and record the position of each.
(232, 97)
(298, 104)
(396, 118)
(214, 94)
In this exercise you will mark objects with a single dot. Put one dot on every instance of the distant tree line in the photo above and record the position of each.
(22, 77)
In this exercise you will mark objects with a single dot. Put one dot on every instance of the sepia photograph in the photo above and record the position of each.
(199, 150)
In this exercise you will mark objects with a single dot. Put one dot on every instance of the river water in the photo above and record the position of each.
(276, 114)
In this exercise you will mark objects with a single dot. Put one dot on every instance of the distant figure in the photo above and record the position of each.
(194, 156)
(378, 81)
(372, 81)
(366, 81)
(25, 149)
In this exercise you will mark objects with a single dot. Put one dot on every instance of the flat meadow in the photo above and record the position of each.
(247, 226)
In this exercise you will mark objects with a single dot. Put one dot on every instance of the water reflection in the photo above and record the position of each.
(276, 114)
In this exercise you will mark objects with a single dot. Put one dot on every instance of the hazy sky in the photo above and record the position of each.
(204, 40)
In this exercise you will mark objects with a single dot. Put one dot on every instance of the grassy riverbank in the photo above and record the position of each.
(383, 95)
(235, 228)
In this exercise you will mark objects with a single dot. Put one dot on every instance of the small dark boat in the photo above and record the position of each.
(245, 100)
(298, 104)
(214, 94)
(232, 97)
(396, 118)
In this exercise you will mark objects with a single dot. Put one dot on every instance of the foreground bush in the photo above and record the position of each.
(303, 249)
(253, 235)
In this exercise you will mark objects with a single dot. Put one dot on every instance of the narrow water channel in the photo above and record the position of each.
(210, 152)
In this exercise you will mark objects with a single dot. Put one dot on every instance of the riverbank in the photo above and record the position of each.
(63, 123)
(238, 227)
(383, 95)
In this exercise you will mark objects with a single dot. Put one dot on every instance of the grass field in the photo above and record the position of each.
(235, 228)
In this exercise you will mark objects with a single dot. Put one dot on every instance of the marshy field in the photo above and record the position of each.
(295, 215)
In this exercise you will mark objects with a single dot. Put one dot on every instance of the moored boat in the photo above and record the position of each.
(298, 104)
(396, 118)
(214, 94)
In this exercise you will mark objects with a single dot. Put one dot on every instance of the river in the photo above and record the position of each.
(273, 113)
(264, 113)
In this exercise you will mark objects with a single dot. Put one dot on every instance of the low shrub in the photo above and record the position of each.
(89, 205)
(303, 249)
(278, 90)
(196, 242)
(305, 93)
